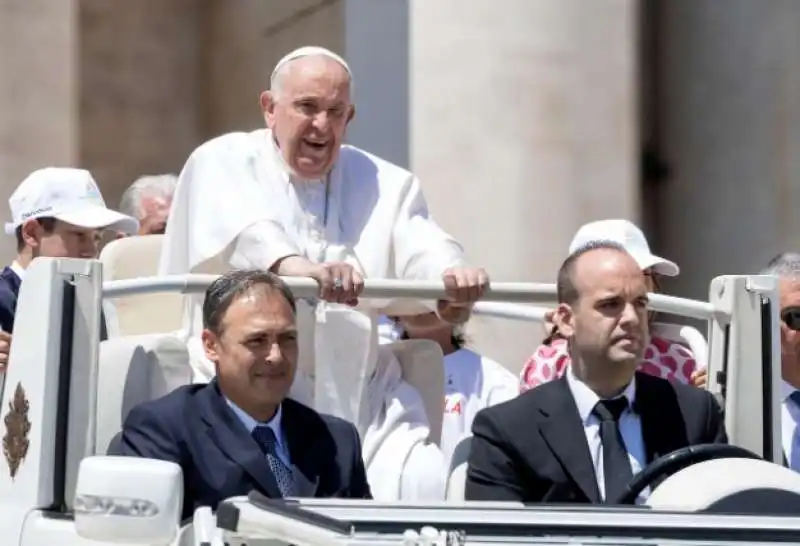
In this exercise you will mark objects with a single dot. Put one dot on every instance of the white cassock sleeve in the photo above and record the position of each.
(225, 197)
(261, 245)
(423, 250)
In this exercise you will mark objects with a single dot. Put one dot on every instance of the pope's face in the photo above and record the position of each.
(309, 113)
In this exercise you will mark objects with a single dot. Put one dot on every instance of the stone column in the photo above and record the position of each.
(377, 49)
(139, 85)
(38, 94)
(729, 106)
(244, 40)
(523, 127)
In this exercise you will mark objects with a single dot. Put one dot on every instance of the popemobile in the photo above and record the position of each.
(67, 391)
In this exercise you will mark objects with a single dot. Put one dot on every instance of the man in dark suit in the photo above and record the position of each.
(581, 438)
(239, 432)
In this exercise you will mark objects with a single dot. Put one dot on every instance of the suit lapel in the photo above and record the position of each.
(563, 431)
(304, 457)
(232, 438)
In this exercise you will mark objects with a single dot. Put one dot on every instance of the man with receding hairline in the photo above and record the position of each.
(295, 200)
(583, 437)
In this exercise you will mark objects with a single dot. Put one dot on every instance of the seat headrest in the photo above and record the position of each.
(136, 369)
(136, 257)
(422, 365)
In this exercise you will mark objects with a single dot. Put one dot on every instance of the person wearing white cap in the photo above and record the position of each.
(663, 358)
(295, 200)
(59, 213)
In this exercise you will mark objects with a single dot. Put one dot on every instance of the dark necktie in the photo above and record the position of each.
(266, 440)
(616, 464)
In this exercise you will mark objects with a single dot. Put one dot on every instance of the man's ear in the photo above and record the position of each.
(564, 320)
(352, 113)
(31, 233)
(267, 102)
(210, 342)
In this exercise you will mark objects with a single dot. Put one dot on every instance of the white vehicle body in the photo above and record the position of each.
(60, 394)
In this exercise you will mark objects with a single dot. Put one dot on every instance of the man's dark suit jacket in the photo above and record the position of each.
(9, 292)
(533, 448)
(194, 427)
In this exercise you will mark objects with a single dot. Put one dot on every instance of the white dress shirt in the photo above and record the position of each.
(275, 424)
(630, 426)
(790, 426)
(18, 270)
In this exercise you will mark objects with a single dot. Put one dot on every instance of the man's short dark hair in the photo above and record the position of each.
(48, 225)
(235, 284)
(565, 283)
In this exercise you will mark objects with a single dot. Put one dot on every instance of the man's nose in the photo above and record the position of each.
(322, 121)
(629, 314)
(274, 353)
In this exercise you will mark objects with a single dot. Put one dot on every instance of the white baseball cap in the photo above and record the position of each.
(69, 195)
(630, 237)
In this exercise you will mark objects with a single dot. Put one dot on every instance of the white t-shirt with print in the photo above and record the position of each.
(471, 382)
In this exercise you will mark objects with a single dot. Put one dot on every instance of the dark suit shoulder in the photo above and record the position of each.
(170, 408)
(698, 410)
(312, 419)
(522, 411)
(688, 396)
(175, 399)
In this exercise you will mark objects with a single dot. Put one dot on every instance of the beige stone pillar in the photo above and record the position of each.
(729, 114)
(139, 83)
(242, 43)
(38, 94)
(523, 127)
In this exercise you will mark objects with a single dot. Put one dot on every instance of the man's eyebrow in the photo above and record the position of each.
(261, 333)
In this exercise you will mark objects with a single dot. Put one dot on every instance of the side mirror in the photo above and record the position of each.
(128, 500)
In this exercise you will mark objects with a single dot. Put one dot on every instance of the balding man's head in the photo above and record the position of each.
(597, 254)
(308, 108)
(603, 305)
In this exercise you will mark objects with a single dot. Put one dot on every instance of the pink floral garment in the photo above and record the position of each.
(663, 358)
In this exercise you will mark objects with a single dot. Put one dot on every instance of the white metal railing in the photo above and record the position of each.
(516, 292)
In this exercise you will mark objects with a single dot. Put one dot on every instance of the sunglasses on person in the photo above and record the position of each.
(791, 317)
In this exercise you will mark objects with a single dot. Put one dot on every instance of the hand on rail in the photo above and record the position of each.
(5, 348)
(339, 282)
(463, 287)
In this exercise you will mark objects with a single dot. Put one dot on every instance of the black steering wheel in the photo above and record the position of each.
(678, 460)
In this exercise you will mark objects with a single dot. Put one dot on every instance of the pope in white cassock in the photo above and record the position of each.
(294, 199)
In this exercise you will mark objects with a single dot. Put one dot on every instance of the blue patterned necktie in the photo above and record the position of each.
(266, 440)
